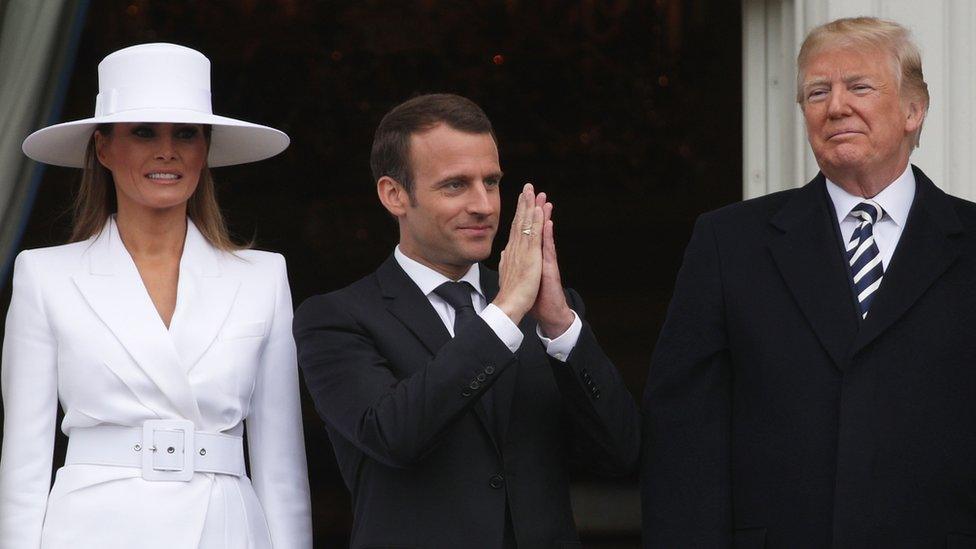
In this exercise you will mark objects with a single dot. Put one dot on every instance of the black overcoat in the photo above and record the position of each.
(774, 417)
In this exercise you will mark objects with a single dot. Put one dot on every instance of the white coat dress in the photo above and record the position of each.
(81, 328)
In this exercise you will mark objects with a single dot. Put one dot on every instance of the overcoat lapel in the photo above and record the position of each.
(115, 292)
(927, 248)
(205, 296)
(806, 249)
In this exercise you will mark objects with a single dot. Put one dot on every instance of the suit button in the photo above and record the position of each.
(489, 370)
(496, 481)
(465, 393)
(474, 385)
(482, 377)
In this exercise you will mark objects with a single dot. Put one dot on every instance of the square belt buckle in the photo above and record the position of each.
(167, 450)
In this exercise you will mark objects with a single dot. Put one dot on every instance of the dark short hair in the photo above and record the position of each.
(391, 143)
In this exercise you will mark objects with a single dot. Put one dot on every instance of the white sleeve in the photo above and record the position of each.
(29, 386)
(276, 444)
(561, 347)
(504, 328)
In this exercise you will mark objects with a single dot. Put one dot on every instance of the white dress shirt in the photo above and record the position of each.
(895, 200)
(428, 280)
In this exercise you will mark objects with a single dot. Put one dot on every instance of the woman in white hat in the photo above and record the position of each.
(161, 337)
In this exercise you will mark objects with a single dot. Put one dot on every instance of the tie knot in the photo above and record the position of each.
(868, 211)
(456, 294)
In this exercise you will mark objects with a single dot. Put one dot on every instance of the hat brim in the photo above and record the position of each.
(232, 141)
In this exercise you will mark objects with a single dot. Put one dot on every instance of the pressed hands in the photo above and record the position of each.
(528, 272)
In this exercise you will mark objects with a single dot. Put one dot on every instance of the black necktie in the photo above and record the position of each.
(458, 296)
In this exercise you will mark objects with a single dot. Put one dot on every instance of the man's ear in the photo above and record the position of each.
(915, 115)
(393, 196)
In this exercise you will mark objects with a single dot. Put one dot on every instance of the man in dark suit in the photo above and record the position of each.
(456, 397)
(814, 384)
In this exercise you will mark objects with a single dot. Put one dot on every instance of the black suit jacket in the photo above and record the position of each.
(775, 417)
(400, 400)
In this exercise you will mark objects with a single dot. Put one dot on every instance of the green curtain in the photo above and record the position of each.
(38, 39)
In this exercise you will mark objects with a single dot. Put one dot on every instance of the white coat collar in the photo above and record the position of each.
(107, 253)
(114, 289)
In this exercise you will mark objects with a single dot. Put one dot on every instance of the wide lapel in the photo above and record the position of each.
(504, 387)
(115, 292)
(927, 248)
(807, 252)
(205, 296)
(405, 301)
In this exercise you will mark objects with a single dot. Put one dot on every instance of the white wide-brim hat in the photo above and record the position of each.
(156, 83)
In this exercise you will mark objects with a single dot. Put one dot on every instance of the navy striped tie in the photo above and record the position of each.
(863, 255)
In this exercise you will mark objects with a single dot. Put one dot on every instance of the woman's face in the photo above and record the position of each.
(155, 166)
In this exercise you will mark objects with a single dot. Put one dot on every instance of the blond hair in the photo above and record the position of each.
(870, 32)
(96, 201)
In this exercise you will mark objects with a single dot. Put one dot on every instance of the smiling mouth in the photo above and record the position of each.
(161, 176)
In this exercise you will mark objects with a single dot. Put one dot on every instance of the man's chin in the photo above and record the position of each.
(477, 258)
(845, 161)
(475, 249)
(477, 255)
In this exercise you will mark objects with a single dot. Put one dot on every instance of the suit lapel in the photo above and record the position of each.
(115, 292)
(504, 387)
(411, 307)
(205, 296)
(807, 252)
(926, 249)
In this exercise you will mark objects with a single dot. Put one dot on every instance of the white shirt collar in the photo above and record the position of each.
(896, 199)
(428, 279)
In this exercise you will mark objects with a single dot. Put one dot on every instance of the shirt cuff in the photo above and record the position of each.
(504, 328)
(560, 347)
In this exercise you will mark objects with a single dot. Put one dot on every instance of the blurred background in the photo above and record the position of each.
(628, 113)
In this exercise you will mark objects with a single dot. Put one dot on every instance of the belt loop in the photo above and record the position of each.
(167, 450)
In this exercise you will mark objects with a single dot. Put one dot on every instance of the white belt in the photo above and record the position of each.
(165, 449)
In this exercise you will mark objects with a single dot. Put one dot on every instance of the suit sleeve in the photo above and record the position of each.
(276, 446)
(603, 419)
(394, 421)
(686, 462)
(29, 379)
